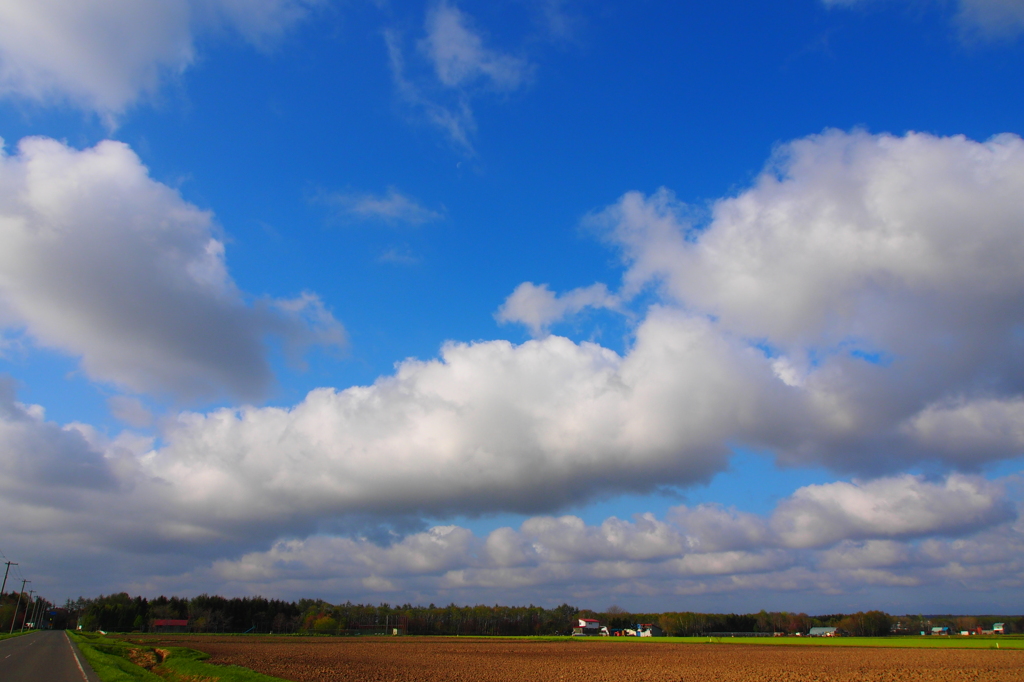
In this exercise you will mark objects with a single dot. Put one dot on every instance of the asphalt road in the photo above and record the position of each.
(45, 655)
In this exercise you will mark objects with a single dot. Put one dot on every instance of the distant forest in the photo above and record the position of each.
(205, 613)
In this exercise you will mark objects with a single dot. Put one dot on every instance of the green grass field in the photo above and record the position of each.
(902, 642)
(931, 642)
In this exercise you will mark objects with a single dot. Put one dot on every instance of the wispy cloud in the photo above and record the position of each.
(398, 256)
(991, 18)
(455, 120)
(391, 207)
(130, 410)
(461, 67)
(459, 56)
(978, 19)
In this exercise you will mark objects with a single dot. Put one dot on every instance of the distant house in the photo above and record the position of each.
(999, 628)
(823, 632)
(170, 625)
(649, 630)
(588, 627)
(940, 630)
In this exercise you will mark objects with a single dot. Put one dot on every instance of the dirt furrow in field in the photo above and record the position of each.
(413, 659)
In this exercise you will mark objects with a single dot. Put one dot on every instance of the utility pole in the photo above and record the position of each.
(42, 606)
(9, 564)
(35, 613)
(24, 616)
(15, 618)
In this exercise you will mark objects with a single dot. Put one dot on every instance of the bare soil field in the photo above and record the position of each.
(416, 659)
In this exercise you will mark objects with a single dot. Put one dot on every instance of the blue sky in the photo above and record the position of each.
(674, 306)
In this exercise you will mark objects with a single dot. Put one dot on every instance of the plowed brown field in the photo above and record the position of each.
(412, 659)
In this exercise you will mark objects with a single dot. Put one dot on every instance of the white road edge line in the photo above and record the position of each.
(74, 654)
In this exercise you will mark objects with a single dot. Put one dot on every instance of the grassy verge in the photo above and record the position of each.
(186, 664)
(110, 660)
(5, 635)
(116, 661)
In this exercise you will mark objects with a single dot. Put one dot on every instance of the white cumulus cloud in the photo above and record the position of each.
(857, 307)
(983, 427)
(103, 55)
(487, 427)
(538, 307)
(880, 274)
(903, 506)
(36, 454)
(104, 263)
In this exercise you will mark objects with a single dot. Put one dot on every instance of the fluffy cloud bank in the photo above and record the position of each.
(898, 507)
(104, 263)
(858, 307)
(879, 277)
(124, 496)
(104, 55)
(683, 554)
(488, 427)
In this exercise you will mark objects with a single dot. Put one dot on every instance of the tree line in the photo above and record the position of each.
(205, 613)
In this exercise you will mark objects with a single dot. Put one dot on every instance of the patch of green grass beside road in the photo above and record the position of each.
(5, 635)
(189, 664)
(111, 659)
